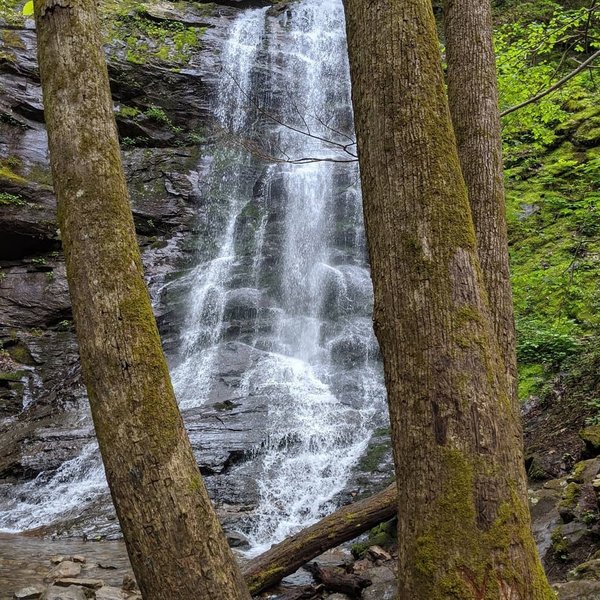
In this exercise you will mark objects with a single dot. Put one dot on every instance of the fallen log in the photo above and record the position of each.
(345, 524)
(306, 592)
(335, 579)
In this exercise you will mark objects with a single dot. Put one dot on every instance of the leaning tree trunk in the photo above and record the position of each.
(345, 524)
(463, 521)
(473, 99)
(175, 543)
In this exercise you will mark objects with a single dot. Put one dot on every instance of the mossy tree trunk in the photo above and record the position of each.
(473, 100)
(463, 521)
(175, 543)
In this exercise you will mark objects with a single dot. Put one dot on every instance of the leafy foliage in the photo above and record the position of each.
(532, 54)
(552, 168)
(11, 199)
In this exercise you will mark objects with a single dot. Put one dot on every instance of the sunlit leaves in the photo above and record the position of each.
(531, 57)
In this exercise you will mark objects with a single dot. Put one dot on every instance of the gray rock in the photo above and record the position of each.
(30, 297)
(110, 593)
(235, 539)
(383, 583)
(29, 225)
(30, 593)
(578, 590)
(545, 518)
(61, 593)
(65, 569)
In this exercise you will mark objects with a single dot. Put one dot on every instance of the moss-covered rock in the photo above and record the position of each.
(591, 437)
(587, 570)
(578, 590)
(383, 535)
(569, 500)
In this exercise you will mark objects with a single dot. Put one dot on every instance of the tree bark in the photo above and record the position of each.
(345, 524)
(175, 543)
(473, 100)
(463, 520)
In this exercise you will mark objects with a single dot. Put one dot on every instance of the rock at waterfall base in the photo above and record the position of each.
(61, 593)
(29, 593)
(66, 568)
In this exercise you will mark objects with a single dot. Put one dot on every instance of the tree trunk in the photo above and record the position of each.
(174, 541)
(463, 520)
(473, 100)
(350, 521)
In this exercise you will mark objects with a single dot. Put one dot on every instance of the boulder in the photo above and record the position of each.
(378, 553)
(61, 593)
(110, 593)
(578, 590)
(65, 569)
(591, 437)
(235, 539)
(383, 585)
(587, 570)
(29, 593)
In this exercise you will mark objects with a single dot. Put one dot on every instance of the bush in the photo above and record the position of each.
(549, 344)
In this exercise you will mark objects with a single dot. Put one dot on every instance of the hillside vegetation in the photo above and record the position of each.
(552, 161)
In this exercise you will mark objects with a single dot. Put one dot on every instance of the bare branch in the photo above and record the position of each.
(340, 146)
(255, 149)
(552, 88)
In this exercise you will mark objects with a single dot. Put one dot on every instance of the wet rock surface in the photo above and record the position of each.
(163, 111)
(42, 398)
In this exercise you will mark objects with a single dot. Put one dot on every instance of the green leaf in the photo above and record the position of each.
(28, 8)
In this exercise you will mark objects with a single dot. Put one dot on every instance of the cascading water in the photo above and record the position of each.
(281, 282)
(308, 300)
(228, 188)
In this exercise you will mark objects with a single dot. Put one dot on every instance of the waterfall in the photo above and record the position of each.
(307, 305)
(227, 187)
(281, 280)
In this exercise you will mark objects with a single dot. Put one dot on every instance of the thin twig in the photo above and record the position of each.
(275, 119)
(552, 88)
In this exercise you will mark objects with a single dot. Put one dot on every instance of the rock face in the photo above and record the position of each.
(160, 109)
(164, 89)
